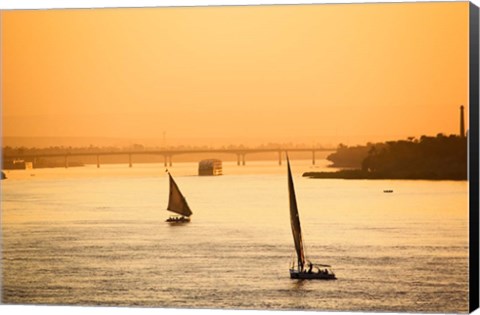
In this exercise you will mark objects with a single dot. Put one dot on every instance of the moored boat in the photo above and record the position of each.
(210, 167)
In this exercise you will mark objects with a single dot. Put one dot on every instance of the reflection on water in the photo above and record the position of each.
(93, 236)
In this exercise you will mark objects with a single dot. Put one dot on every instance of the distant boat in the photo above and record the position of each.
(212, 167)
(303, 268)
(388, 191)
(178, 204)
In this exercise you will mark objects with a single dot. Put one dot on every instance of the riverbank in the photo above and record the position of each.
(360, 174)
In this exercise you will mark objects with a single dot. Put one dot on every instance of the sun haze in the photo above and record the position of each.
(253, 74)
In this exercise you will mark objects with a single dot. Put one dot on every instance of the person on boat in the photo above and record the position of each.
(310, 267)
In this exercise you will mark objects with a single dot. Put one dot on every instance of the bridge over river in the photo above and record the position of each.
(167, 154)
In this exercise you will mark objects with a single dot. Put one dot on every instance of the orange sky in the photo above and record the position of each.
(218, 75)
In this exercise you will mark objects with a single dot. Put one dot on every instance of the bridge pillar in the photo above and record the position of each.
(98, 161)
(169, 160)
(66, 161)
(313, 157)
(279, 157)
(165, 160)
(129, 160)
(243, 159)
(238, 159)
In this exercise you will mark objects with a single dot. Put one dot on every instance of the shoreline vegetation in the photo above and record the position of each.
(429, 158)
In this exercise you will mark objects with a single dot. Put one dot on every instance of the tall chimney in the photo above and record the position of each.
(462, 123)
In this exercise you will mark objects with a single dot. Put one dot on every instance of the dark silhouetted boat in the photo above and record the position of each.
(178, 204)
(303, 268)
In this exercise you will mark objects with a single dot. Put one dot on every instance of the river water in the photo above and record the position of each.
(97, 236)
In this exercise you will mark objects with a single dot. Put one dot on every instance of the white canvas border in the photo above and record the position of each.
(62, 4)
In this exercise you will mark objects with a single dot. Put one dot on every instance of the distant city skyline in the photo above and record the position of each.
(205, 76)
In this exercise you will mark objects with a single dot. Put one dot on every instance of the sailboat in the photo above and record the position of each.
(177, 203)
(303, 268)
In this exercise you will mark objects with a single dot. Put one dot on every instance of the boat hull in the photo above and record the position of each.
(173, 220)
(295, 274)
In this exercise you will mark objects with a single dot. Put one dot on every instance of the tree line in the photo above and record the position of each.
(440, 157)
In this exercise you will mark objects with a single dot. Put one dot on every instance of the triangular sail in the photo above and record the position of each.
(176, 201)
(295, 221)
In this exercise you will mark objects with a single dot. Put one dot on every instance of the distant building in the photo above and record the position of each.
(210, 167)
(17, 165)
